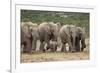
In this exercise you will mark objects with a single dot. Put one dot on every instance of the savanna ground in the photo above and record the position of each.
(56, 56)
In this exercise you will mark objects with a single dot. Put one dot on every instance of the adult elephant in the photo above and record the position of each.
(35, 35)
(47, 31)
(26, 37)
(81, 36)
(72, 35)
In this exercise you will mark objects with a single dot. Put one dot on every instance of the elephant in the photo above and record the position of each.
(35, 35)
(47, 31)
(72, 35)
(53, 46)
(82, 37)
(26, 37)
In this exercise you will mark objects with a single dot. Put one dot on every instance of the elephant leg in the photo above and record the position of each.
(23, 45)
(29, 45)
(83, 44)
(52, 50)
(55, 48)
(42, 47)
(63, 47)
(71, 49)
(47, 47)
(77, 45)
(34, 45)
(48, 44)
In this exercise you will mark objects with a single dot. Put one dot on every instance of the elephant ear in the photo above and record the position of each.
(81, 32)
(51, 33)
(59, 25)
(51, 25)
(80, 36)
(69, 28)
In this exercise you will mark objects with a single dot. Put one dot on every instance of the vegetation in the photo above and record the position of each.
(75, 18)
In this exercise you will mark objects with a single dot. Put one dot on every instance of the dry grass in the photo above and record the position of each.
(57, 56)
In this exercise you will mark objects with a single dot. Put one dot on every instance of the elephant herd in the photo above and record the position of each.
(50, 34)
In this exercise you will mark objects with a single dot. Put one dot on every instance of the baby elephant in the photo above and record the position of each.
(52, 46)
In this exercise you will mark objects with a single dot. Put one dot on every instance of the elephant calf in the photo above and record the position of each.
(52, 46)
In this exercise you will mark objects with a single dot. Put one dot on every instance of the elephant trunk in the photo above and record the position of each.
(73, 49)
(73, 40)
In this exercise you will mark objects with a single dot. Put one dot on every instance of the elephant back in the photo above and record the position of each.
(65, 32)
(43, 27)
(44, 31)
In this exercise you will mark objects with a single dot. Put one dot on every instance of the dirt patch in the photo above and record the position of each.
(57, 56)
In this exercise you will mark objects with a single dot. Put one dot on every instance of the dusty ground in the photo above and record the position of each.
(56, 56)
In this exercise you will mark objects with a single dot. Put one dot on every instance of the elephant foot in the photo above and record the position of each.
(62, 50)
(33, 50)
(69, 49)
(82, 49)
(77, 50)
(47, 48)
(52, 50)
(73, 51)
(42, 50)
(24, 51)
(30, 52)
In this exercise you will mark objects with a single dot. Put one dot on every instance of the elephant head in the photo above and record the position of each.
(35, 35)
(77, 35)
(74, 38)
(53, 30)
(25, 29)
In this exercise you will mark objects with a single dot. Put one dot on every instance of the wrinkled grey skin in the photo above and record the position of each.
(53, 46)
(81, 36)
(26, 37)
(47, 31)
(72, 35)
(35, 35)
